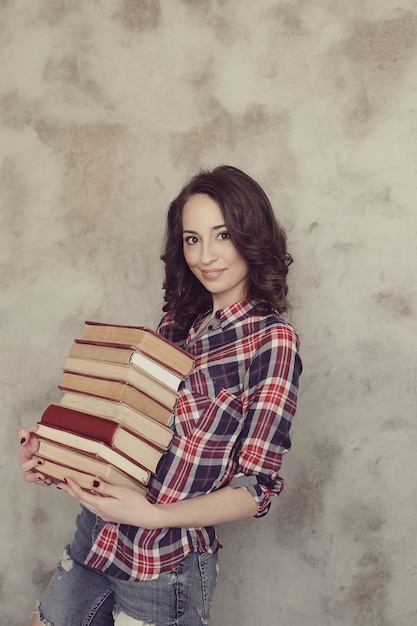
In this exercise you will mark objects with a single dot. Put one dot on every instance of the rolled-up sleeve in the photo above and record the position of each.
(269, 403)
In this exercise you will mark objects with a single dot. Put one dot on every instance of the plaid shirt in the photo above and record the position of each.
(232, 423)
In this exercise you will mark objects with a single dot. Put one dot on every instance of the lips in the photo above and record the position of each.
(211, 274)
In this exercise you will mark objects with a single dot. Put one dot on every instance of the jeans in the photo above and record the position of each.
(80, 596)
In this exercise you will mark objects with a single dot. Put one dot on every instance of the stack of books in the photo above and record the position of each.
(120, 387)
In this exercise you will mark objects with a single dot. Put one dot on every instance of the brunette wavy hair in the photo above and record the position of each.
(252, 228)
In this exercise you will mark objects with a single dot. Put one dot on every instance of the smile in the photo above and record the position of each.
(211, 274)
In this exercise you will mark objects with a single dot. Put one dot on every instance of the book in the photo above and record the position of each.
(114, 354)
(60, 462)
(124, 373)
(96, 449)
(103, 431)
(117, 391)
(144, 340)
(155, 432)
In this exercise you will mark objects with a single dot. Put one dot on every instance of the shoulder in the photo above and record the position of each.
(272, 329)
(167, 329)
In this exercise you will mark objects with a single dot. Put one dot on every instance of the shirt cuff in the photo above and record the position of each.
(251, 484)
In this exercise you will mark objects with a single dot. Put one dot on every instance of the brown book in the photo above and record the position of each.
(117, 391)
(103, 431)
(142, 339)
(139, 423)
(96, 449)
(126, 356)
(60, 462)
(124, 373)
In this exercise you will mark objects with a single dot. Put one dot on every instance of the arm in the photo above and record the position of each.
(125, 506)
(269, 404)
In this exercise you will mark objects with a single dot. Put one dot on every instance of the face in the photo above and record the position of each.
(210, 254)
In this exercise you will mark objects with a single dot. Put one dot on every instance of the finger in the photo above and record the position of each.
(24, 434)
(71, 487)
(38, 478)
(29, 464)
(105, 489)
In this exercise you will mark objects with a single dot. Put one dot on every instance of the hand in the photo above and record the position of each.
(29, 465)
(114, 504)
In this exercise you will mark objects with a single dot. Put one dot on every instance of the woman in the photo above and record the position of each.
(153, 560)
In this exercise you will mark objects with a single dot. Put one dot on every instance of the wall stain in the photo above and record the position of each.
(67, 71)
(222, 128)
(41, 574)
(303, 506)
(139, 15)
(360, 109)
(14, 111)
(398, 304)
(211, 13)
(39, 517)
(383, 47)
(53, 12)
(87, 153)
(362, 520)
(365, 600)
(14, 197)
(286, 15)
(368, 62)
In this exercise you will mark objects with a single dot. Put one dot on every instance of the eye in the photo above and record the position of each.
(223, 235)
(191, 240)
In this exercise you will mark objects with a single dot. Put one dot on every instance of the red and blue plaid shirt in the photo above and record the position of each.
(232, 423)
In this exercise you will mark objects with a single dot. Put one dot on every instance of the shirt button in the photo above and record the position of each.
(210, 326)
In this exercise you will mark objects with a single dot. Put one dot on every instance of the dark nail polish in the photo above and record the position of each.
(22, 441)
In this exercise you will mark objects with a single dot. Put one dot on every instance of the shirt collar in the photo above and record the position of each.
(230, 314)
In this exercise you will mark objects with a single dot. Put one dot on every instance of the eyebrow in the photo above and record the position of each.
(194, 232)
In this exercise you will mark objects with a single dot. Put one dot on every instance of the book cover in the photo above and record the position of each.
(144, 340)
(117, 391)
(104, 431)
(124, 373)
(155, 432)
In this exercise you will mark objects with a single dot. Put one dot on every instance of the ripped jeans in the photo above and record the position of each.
(80, 596)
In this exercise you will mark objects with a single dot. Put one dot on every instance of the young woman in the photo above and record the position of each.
(153, 560)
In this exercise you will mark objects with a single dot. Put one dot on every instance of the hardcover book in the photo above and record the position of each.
(59, 462)
(121, 413)
(126, 374)
(102, 431)
(117, 391)
(114, 354)
(142, 339)
(97, 449)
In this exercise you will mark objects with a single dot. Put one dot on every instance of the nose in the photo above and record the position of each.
(208, 253)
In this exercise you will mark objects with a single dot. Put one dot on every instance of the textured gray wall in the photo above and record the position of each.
(106, 107)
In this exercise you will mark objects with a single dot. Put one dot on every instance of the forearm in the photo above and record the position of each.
(219, 507)
(125, 506)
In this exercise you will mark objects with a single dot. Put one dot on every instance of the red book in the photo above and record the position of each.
(135, 421)
(106, 439)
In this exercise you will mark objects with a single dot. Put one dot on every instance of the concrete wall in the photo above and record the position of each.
(106, 108)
